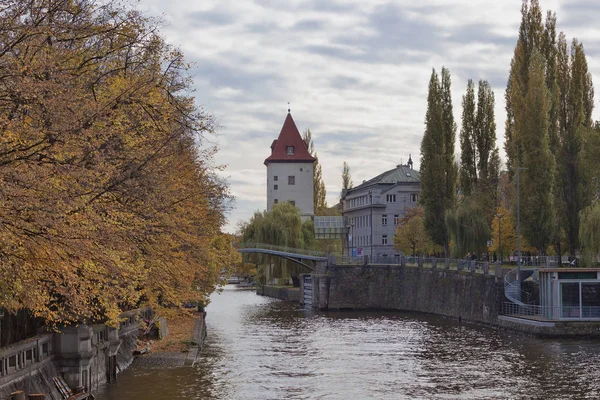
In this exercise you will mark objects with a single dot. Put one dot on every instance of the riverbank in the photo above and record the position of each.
(187, 334)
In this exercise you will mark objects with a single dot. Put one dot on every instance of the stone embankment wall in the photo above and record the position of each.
(85, 356)
(468, 296)
(282, 293)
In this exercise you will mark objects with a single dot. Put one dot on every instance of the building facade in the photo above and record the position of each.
(372, 211)
(290, 170)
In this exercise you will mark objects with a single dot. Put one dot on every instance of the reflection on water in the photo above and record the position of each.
(260, 348)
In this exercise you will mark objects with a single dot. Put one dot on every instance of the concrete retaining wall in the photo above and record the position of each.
(282, 293)
(462, 295)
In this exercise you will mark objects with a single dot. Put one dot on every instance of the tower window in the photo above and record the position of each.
(276, 187)
(291, 180)
(289, 150)
(275, 178)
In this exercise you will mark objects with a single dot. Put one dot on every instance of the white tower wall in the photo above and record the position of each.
(301, 192)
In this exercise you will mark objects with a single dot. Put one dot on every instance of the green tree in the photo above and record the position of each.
(282, 226)
(438, 169)
(319, 191)
(468, 160)
(589, 234)
(575, 121)
(469, 228)
(537, 205)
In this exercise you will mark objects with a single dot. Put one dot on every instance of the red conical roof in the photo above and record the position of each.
(289, 136)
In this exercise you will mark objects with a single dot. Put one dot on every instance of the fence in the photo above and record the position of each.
(25, 354)
(551, 313)
(482, 267)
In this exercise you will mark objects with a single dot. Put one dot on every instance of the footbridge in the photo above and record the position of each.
(306, 258)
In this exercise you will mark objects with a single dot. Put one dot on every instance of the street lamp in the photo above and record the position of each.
(499, 216)
(519, 229)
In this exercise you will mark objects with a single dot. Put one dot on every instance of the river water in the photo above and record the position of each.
(261, 348)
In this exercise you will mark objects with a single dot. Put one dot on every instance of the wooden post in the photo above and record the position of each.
(18, 395)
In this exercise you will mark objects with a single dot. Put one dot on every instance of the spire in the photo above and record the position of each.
(409, 164)
(288, 107)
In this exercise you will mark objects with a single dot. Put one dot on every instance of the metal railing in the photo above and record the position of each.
(285, 249)
(551, 313)
(478, 267)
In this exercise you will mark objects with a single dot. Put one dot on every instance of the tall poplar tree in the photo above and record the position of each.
(449, 137)
(438, 169)
(346, 178)
(574, 122)
(537, 205)
(529, 104)
(468, 161)
(319, 191)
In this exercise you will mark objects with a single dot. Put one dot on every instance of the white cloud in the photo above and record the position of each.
(355, 72)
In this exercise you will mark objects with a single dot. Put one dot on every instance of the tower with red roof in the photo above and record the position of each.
(290, 170)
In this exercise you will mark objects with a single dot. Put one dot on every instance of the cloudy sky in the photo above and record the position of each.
(354, 71)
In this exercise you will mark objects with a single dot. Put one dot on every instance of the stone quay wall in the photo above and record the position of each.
(85, 356)
(464, 295)
(282, 293)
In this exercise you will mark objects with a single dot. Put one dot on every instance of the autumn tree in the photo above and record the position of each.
(410, 237)
(438, 169)
(319, 191)
(109, 190)
(346, 178)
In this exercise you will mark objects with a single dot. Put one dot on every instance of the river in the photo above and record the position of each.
(261, 348)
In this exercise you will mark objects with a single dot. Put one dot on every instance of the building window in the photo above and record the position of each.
(390, 198)
(275, 187)
(384, 219)
(414, 197)
(289, 150)
(300, 169)
(291, 180)
(275, 201)
(275, 178)
(293, 202)
(383, 239)
(396, 219)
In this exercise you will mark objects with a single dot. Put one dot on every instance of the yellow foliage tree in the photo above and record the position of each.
(109, 198)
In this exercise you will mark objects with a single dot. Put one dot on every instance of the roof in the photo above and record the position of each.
(289, 136)
(400, 174)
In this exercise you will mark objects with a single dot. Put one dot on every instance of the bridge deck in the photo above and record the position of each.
(283, 254)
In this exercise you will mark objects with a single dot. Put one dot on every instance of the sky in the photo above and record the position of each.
(354, 71)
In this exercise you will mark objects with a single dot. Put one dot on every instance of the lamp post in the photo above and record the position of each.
(499, 216)
(519, 229)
